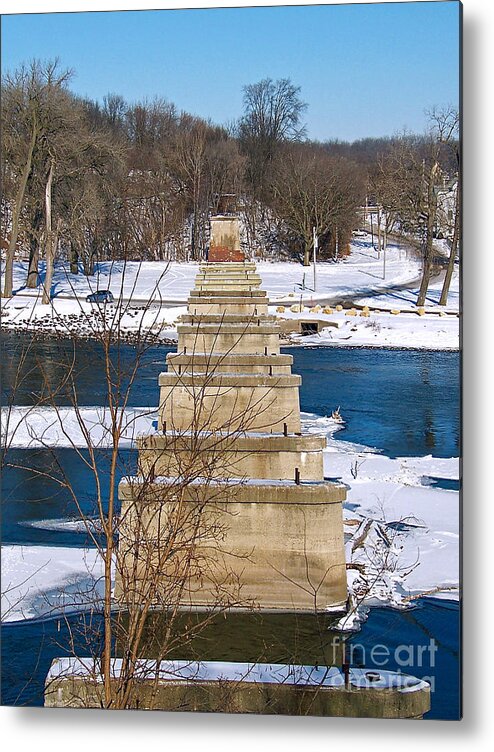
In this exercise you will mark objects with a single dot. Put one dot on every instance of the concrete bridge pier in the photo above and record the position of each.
(229, 511)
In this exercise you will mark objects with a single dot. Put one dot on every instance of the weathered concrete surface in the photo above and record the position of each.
(283, 540)
(246, 305)
(226, 317)
(230, 402)
(225, 232)
(221, 277)
(229, 363)
(211, 267)
(244, 688)
(234, 491)
(227, 338)
(224, 244)
(226, 254)
(232, 456)
(231, 293)
(226, 285)
(231, 380)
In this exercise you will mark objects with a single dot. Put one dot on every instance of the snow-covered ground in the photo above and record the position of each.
(406, 298)
(354, 276)
(383, 329)
(43, 581)
(153, 298)
(393, 513)
(359, 274)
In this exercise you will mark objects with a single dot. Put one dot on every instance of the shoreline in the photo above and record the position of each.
(417, 603)
(151, 338)
(369, 346)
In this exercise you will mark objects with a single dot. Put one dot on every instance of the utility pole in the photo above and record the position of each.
(378, 231)
(315, 243)
(385, 245)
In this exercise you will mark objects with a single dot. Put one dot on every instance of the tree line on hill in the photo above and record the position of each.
(90, 181)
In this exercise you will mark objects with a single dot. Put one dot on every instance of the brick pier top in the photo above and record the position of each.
(224, 245)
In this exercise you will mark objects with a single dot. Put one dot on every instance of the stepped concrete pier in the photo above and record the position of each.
(247, 303)
(229, 420)
(234, 494)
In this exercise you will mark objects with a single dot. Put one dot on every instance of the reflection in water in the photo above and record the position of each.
(430, 438)
(425, 371)
(248, 636)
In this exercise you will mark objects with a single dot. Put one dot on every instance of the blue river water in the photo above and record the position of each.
(402, 402)
(28, 649)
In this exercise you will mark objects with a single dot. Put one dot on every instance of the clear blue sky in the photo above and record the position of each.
(364, 69)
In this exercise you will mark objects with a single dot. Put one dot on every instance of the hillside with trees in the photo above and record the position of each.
(85, 181)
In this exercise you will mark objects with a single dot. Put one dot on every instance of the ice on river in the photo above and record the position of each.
(43, 581)
(392, 511)
(403, 519)
(36, 427)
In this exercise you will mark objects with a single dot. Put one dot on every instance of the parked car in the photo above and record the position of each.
(100, 296)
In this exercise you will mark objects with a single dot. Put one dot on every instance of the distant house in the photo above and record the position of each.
(446, 202)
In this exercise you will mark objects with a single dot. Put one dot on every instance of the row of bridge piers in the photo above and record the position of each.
(229, 510)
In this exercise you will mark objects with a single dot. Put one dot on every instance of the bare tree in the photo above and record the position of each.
(171, 529)
(443, 300)
(313, 190)
(272, 116)
(91, 174)
(407, 180)
(190, 161)
(27, 99)
(114, 107)
(444, 127)
(446, 124)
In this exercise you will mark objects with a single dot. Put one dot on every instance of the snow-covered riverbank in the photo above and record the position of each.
(152, 298)
(383, 329)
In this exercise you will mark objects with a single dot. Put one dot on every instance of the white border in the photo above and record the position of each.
(36, 729)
